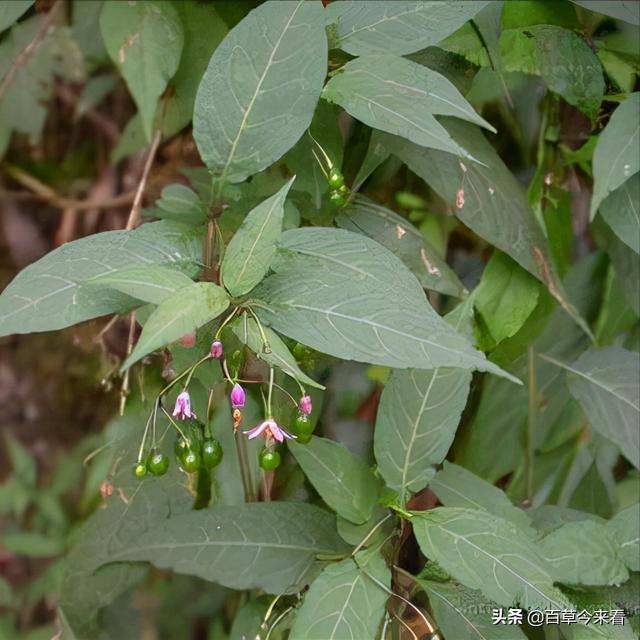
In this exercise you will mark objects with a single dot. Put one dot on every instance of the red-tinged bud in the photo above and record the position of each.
(216, 349)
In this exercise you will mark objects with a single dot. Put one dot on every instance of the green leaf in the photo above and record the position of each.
(606, 383)
(417, 418)
(252, 248)
(490, 554)
(149, 283)
(401, 97)
(627, 10)
(549, 517)
(23, 106)
(397, 27)
(180, 203)
(493, 204)
(615, 158)
(343, 603)
(134, 506)
(457, 487)
(252, 546)
(32, 544)
(624, 529)
(343, 481)
(505, 297)
(247, 331)
(536, 50)
(144, 40)
(344, 294)
(11, 12)
(52, 292)
(463, 613)
(583, 553)
(178, 314)
(405, 241)
(259, 92)
(621, 211)
(23, 465)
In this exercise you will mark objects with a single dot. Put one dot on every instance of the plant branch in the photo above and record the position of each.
(29, 50)
(134, 215)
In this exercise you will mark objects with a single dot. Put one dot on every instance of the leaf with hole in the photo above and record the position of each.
(144, 40)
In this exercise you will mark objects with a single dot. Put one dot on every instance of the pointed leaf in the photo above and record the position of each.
(627, 10)
(606, 383)
(463, 613)
(346, 295)
(621, 211)
(625, 528)
(343, 603)
(487, 198)
(144, 40)
(616, 158)
(52, 292)
(457, 487)
(584, 553)
(10, 12)
(417, 419)
(490, 554)
(247, 331)
(397, 27)
(401, 97)
(401, 238)
(149, 283)
(250, 252)
(178, 314)
(260, 90)
(343, 481)
(268, 546)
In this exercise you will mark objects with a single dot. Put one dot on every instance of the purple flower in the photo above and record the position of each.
(183, 406)
(216, 349)
(269, 428)
(304, 406)
(237, 396)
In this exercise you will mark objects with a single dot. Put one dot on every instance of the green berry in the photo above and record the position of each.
(303, 438)
(269, 459)
(190, 460)
(337, 199)
(211, 453)
(335, 179)
(302, 425)
(180, 446)
(158, 463)
(140, 470)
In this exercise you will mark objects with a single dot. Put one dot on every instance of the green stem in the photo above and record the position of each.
(173, 422)
(245, 470)
(225, 322)
(266, 348)
(270, 391)
(144, 437)
(531, 422)
(188, 371)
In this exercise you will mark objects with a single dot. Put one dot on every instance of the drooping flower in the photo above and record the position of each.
(182, 409)
(269, 428)
(216, 349)
(304, 406)
(237, 396)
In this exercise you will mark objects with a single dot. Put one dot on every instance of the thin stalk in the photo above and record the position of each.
(531, 422)
(225, 322)
(270, 392)
(373, 530)
(175, 424)
(144, 437)
(245, 470)
(263, 336)
(188, 371)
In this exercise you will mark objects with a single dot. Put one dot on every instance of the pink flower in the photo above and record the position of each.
(216, 349)
(269, 428)
(183, 406)
(304, 406)
(237, 396)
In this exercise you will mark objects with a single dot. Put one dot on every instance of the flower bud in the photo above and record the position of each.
(304, 406)
(216, 349)
(237, 396)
